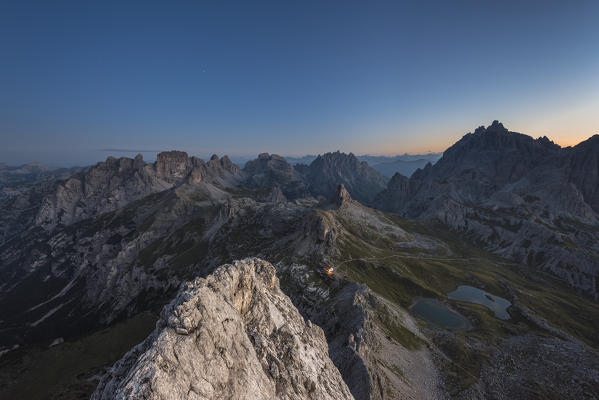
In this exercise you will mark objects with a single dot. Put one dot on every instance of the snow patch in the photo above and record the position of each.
(47, 315)
(60, 294)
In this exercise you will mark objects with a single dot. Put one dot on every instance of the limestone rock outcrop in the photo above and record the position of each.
(232, 335)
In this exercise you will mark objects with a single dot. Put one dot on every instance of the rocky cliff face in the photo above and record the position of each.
(113, 184)
(525, 199)
(582, 168)
(317, 179)
(361, 181)
(340, 196)
(269, 170)
(231, 335)
(396, 195)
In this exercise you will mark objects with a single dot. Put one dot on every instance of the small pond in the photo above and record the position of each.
(494, 303)
(438, 314)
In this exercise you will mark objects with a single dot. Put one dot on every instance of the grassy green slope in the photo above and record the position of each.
(400, 273)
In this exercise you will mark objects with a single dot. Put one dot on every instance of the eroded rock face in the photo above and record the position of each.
(274, 195)
(361, 181)
(340, 196)
(526, 199)
(583, 170)
(394, 197)
(269, 170)
(233, 335)
(114, 183)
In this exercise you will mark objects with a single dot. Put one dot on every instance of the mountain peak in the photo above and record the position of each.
(172, 155)
(270, 170)
(360, 179)
(340, 195)
(172, 165)
(592, 141)
(495, 127)
(232, 335)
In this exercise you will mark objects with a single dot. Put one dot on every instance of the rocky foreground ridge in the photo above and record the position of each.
(231, 335)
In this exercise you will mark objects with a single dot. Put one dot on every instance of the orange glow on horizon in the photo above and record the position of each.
(560, 138)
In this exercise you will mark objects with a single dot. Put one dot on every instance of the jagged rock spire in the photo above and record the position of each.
(340, 195)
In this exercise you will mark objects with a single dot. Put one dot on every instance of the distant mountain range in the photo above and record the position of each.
(405, 164)
(30, 172)
(16, 180)
(90, 256)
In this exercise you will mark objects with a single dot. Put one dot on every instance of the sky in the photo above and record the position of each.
(306, 77)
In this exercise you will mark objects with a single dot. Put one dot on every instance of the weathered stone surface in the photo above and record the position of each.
(233, 335)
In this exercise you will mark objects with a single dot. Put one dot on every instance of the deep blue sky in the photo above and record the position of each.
(290, 77)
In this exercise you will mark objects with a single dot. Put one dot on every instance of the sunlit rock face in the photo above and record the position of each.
(232, 335)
